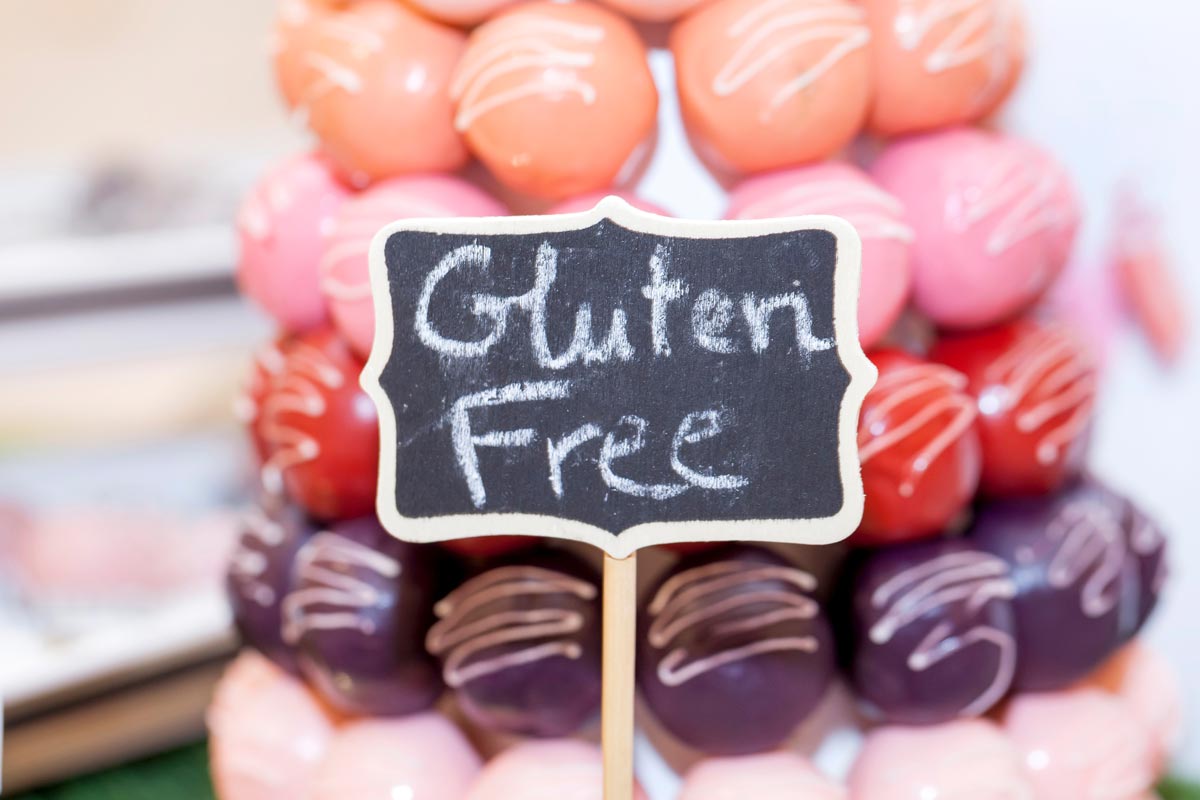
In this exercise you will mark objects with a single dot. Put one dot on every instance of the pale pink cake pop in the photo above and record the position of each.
(942, 62)
(344, 278)
(995, 220)
(421, 757)
(266, 733)
(282, 228)
(555, 99)
(654, 10)
(1083, 744)
(771, 776)
(773, 83)
(461, 12)
(554, 769)
(586, 202)
(844, 191)
(963, 760)
(1150, 686)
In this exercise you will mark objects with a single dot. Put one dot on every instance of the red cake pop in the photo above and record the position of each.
(1035, 387)
(554, 98)
(920, 453)
(320, 430)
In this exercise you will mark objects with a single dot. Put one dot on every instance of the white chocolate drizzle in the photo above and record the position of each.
(1022, 196)
(342, 73)
(466, 630)
(970, 579)
(699, 597)
(1091, 548)
(933, 396)
(774, 30)
(874, 213)
(270, 361)
(331, 597)
(548, 54)
(249, 561)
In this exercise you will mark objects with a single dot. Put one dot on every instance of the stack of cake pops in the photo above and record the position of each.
(984, 619)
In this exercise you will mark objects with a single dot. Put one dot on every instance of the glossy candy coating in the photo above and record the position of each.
(771, 776)
(555, 99)
(266, 365)
(360, 605)
(843, 191)
(654, 10)
(733, 650)
(520, 644)
(1035, 387)
(544, 770)
(765, 84)
(919, 449)
(461, 12)
(995, 220)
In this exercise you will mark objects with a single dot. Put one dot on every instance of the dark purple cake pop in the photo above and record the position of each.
(1077, 588)
(260, 574)
(1148, 550)
(932, 634)
(733, 651)
(360, 606)
(520, 643)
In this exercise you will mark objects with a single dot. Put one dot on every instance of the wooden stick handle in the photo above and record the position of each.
(620, 626)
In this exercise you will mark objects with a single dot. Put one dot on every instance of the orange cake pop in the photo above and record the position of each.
(654, 10)
(555, 99)
(773, 83)
(461, 12)
(371, 79)
(942, 62)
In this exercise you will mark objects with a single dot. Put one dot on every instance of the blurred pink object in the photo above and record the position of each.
(1087, 300)
(421, 757)
(586, 202)
(1082, 744)
(266, 733)
(1150, 685)
(555, 769)
(771, 776)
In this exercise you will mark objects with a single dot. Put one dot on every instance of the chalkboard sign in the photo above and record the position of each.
(618, 378)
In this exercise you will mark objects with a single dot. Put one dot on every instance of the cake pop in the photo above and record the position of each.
(422, 757)
(843, 191)
(320, 430)
(371, 79)
(932, 632)
(1149, 685)
(1035, 388)
(772, 83)
(654, 10)
(733, 651)
(995, 219)
(1082, 744)
(260, 574)
(544, 770)
(282, 227)
(360, 605)
(462, 12)
(266, 365)
(954, 761)
(1148, 550)
(345, 281)
(555, 99)
(488, 546)
(586, 202)
(267, 735)
(771, 776)
(1077, 590)
(919, 449)
(942, 62)
(520, 644)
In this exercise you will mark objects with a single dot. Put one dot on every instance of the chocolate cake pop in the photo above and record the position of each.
(520, 644)
(320, 429)
(1077, 589)
(1035, 387)
(995, 220)
(942, 62)
(360, 605)
(555, 99)
(773, 83)
(733, 651)
(919, 449)
(1148, 550)
(843, 191)
(932, 633)
(260, 574)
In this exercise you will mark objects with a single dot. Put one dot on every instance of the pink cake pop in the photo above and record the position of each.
(266, 733)
(371, 79)
(282, 227)
(344, 278)
(995, 219)
(773, 83)
(422, 757)
(942, 62)
(1150, 687)
(962, 760)
(772, 776)
(461, 12)
(1082, 744)
(544, 770)
(654, 10)
(844, 191)
(555, 99)
(586, 202)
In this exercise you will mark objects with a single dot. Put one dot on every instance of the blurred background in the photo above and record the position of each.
(130, 129)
